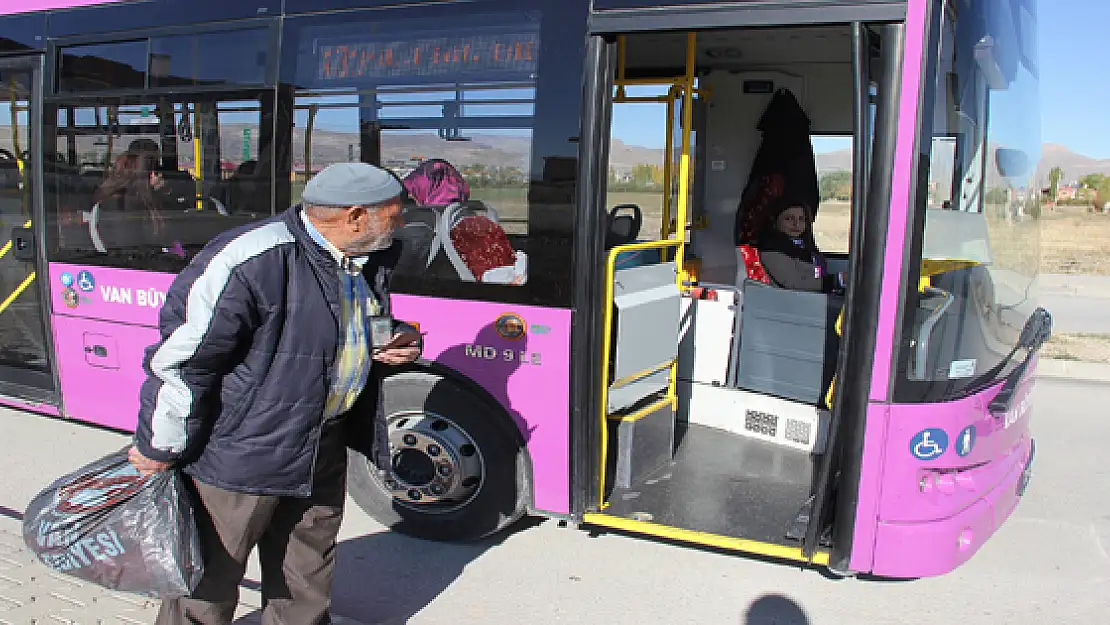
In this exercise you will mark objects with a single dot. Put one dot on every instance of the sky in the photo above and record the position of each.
(1075, 87)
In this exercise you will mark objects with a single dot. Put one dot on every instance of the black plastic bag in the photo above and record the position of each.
(107, 524)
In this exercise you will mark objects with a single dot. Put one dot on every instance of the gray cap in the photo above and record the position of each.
(351, 184)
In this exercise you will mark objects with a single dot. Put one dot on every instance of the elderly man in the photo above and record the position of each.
(268, 338)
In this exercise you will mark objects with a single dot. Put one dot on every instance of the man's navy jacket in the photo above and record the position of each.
(236, 387)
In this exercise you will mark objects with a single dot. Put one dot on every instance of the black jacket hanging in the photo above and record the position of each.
(784, 165)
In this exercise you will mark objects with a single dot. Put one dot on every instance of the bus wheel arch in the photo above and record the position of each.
(462, 494)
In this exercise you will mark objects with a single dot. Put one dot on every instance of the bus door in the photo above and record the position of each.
(644, 283)
(25, 366)
(722, 418)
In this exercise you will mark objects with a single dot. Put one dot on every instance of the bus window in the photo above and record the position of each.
(144, 179)
(978, 239)
(22, 338)
(834, 180)
(145, 184)
(456, 113)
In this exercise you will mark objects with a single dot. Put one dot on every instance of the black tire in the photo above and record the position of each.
(502, 495)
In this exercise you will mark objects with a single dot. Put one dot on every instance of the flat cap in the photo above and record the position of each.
(351, 184)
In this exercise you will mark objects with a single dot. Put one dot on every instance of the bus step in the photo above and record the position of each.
(797, 529)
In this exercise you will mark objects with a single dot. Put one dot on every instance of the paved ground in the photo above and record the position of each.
(1048, 564)
(1077, 303)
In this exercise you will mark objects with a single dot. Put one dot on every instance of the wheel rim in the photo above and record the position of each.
(436, 467)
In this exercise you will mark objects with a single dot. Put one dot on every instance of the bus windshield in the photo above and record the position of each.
(978, 239)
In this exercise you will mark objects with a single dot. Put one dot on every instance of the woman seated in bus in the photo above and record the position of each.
(789, 253)
(130, 206)
(474, 241)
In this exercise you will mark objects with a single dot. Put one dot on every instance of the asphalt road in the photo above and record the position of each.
(1048, 565)
(1079, 304)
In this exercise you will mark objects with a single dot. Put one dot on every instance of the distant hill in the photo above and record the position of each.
(1075, 165)
(514, 151)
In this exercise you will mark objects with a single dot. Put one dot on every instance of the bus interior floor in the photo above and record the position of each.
(725, 484)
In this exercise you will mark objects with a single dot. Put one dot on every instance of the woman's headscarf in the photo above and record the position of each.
(436, 182)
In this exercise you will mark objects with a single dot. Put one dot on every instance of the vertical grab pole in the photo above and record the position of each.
(622, 48)
(668, 163)
(308, 142)
(684, 163)
(198, 153)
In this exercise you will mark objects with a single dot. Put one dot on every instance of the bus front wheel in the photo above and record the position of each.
(457, 472)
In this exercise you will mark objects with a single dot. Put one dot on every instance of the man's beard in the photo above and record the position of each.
(370, 243)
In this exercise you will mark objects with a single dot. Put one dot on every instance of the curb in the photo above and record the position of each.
(1073, 370)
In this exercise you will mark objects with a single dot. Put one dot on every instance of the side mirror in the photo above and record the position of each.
(1037, 330)
(1012, 163)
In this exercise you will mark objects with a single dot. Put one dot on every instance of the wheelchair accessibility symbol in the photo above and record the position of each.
(85, 281)
(929, 444)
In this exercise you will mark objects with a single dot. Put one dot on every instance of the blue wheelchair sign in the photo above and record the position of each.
(929, 444)
(85, 281)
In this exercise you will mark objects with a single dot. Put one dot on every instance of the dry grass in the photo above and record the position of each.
(1065, 240)
(1075, 241)
(1083, 347)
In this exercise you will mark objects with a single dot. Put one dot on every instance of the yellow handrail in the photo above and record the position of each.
(684, 163)
(668, 166)
(607, 345)
(198, 155)
(18, 291)
(678, 243)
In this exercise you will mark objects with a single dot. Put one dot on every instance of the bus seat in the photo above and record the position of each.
(786, 349)
(623, 229)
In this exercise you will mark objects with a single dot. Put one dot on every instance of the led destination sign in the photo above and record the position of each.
(486, 55)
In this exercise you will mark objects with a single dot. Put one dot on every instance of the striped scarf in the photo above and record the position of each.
(357, 304)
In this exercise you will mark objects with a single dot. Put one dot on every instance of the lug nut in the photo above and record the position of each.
(444, 470)
(410, 439)
(434, 450)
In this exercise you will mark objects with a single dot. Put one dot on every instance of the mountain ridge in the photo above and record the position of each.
(514, 151)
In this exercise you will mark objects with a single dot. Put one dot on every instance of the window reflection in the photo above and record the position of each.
(98, 67)
(147, 185)
(477, 119)
(981, 243)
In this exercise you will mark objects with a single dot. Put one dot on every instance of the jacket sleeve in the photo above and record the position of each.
(793, 274)
(207, 319)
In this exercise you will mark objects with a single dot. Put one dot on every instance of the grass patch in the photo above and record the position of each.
(1078, 346)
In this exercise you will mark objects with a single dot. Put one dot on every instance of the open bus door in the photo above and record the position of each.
(763, 476)
(25, 347)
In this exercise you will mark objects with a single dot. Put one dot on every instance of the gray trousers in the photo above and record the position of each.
(296, 540)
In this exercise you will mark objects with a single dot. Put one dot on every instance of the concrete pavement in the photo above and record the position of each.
(1079, 304)
(1048, 564)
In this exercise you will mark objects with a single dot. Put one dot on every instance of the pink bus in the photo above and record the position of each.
(605, 344)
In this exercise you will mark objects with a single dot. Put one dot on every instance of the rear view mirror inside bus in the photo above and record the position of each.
(1012, 163)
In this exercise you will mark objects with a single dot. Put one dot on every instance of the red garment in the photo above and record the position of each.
(482, 244)
(754, 265)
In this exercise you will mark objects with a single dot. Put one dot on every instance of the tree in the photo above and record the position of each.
(1055, 175)
(998, 196)
(836, 185)
(1093, 181)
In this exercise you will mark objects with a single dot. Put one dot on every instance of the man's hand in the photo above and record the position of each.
(145, 465)
(403, 349)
